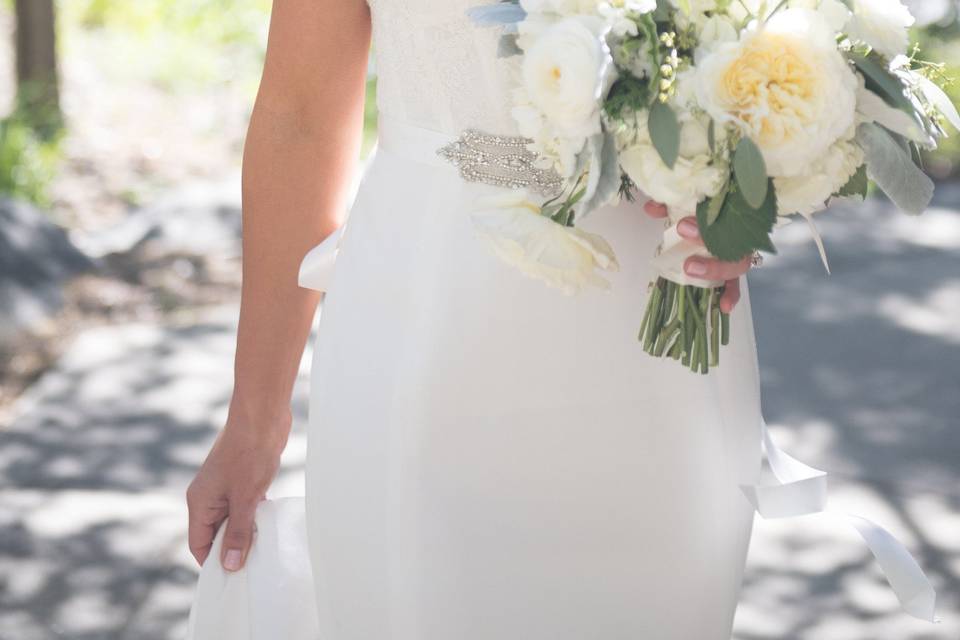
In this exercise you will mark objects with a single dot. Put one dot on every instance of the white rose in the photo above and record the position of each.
(693, 177)
(567, 71)
(806, 194)
(785, 85)
(882, 24)
(564, 257)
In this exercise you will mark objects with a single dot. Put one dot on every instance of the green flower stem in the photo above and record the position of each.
(684, 322)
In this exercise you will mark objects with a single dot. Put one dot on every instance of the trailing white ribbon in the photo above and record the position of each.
(801, 489)
(316, 268)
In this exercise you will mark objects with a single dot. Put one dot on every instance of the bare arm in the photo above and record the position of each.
(301, 150)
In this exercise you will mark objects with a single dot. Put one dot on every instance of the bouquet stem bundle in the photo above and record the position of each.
(684, 322)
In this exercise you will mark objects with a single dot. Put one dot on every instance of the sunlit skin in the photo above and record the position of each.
(706, 268)
(301, 150)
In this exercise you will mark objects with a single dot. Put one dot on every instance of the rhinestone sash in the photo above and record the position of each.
(502, 161)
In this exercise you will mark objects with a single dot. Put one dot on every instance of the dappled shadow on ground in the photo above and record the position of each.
(95, 463)
(860, 372)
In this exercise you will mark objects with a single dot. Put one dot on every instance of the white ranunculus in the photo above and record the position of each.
(694, 176)
(785, 85)
(564, 257)
(806, 194)
(567, 71)
(882, 24)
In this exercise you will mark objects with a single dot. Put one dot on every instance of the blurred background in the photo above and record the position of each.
(120, 140)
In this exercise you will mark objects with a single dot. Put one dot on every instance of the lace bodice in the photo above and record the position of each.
(438, 70)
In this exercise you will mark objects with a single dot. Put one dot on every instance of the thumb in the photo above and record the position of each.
(238, 536)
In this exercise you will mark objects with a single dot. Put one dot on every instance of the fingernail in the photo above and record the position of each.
(695, 268)
(231, 561)
(688, 229)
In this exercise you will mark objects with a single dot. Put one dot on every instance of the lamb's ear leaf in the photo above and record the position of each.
(665, 132)
(892, 168)
(739, 229)
(609, 175)
(751, 172)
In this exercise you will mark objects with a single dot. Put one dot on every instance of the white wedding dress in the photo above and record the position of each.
(488, 458)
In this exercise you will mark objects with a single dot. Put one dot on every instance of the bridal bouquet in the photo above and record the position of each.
(741, 112)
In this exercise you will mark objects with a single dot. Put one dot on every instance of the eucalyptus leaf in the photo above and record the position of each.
(751, 172)
(857, 186)
(894, 171)
(739, 229)
(665, 132)
(715, 204)
(502, 13)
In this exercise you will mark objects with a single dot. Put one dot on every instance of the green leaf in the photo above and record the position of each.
(665, 132)
(715, 204)
(751, 172)
(883, 83)
(627, 94)
(892, 168)
(507, 46)
(712, 135)
(739, 229)
(857, 185)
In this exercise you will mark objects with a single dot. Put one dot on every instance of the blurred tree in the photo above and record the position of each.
(38, 93)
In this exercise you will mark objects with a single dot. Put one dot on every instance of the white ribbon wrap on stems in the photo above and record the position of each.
(316, 269)
(673, 252)
(801, 489)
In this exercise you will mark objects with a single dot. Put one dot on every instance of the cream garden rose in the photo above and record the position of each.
(564, 257)
(566, 72)
(785, 85)
(808, 193)
(882, 24)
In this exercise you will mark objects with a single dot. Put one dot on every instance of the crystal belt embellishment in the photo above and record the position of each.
(500, 161)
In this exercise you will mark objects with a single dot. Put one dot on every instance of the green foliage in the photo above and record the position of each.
(665, 132)
(751, 172)
(177, 44)
(627, 94)
(28, 162)
(739, 229)
(857, 186)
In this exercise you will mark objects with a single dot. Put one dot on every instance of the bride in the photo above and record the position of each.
(488, 458)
